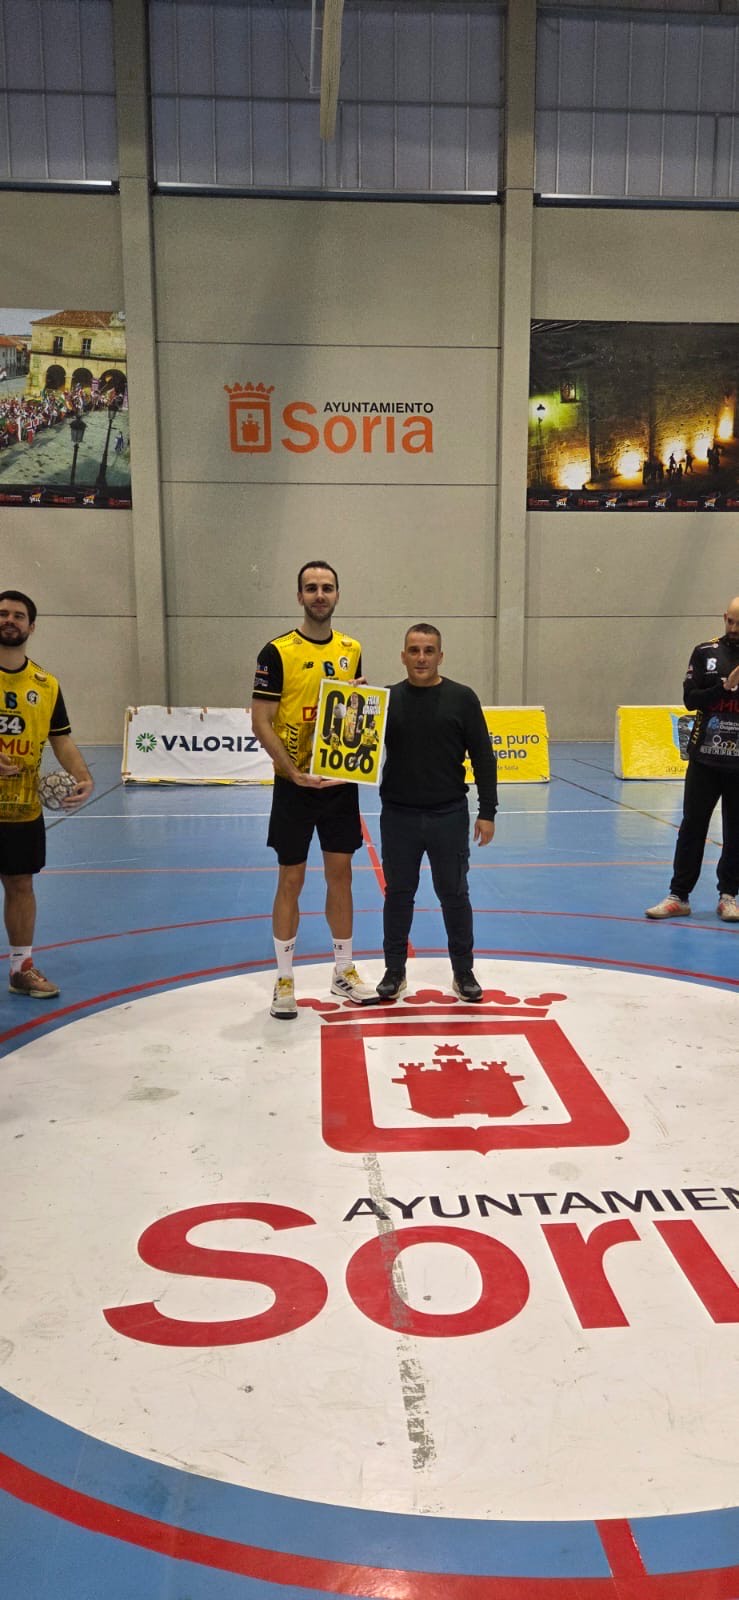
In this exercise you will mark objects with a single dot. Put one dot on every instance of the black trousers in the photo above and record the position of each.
(444, 836)
(704, 787)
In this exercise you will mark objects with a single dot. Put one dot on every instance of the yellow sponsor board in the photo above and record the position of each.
(350, 732)
(520, 740)
(651, 741)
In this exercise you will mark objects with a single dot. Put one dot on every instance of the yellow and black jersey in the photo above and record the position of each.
(31, 707)
(290, 670)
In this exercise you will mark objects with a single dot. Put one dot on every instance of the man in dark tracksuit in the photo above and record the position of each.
(432, 723)
(711, 689)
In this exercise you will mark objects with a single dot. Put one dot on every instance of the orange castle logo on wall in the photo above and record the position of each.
(369, 426)
(250, 417)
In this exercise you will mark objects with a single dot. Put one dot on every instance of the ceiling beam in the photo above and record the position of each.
(333, 12)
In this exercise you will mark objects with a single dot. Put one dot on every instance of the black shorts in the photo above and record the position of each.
(297, 813)
(22, 848)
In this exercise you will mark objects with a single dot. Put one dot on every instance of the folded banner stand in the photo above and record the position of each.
(520, 740)
(651, 741)
(192, 744)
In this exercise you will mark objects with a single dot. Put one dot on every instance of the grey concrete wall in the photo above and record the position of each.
(327, 302)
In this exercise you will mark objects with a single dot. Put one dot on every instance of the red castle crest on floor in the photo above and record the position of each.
(451, 1087)
(438, 1081)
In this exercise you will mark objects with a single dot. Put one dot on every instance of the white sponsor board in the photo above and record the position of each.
(192, 744)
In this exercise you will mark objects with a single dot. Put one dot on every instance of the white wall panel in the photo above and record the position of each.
(74, 563)
(95, 660)
(581, 669)
(625, 564)
(635, 266)
(469, 647)
(274, 272)
(228, 553)
(44, 262)
(460, 385)
(203, 668)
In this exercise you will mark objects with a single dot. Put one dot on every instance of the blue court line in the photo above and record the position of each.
(689, 1542)
(42, 1558)
(395, 1540)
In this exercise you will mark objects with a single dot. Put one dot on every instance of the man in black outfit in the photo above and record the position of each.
(432, 723)
(711, 689)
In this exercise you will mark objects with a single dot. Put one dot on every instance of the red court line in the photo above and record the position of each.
(622, 965)
(588, 916)
(534, 956)
(374, 858)
(685, 925)
(120, 994)
(492, 866)
(622, 1551)
(377, 869)
(335, 1577)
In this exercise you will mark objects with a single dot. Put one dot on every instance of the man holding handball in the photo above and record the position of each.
(32, 710)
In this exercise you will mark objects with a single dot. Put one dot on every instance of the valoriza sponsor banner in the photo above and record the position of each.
(520, 741)
(651, 741)
(192, 744)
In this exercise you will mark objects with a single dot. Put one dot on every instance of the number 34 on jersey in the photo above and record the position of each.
(350, 732)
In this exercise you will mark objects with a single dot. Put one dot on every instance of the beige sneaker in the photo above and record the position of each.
(348, 985)
(31, 982)
(669, 907)
(727, 908)
(284, 1005)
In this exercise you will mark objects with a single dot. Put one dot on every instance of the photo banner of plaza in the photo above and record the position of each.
(633, 416)
(64, 435)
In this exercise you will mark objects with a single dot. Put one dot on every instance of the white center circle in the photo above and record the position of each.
(586, 1393)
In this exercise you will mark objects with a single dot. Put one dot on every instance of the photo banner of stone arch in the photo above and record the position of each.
(64, 422)
(633, 416)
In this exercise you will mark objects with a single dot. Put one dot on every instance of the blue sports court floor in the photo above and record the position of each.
(419, 1302)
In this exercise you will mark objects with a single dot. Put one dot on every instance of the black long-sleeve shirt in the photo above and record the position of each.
(429, 731)
(714, 740)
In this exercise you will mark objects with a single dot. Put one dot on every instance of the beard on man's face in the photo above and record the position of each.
(13, 633)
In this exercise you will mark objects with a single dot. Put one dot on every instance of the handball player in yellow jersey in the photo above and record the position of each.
(287, 683)
(32, 710)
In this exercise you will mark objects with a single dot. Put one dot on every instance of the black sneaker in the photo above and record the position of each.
(392, 984)
(465, 985)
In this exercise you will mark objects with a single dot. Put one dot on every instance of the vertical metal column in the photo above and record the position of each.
(515, 320)
(132, 80)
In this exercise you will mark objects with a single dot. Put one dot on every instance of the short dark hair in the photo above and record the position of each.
(422, 627)
(25, 600)
(326, 566)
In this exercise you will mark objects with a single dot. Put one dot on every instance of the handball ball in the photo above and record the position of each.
(53, 787)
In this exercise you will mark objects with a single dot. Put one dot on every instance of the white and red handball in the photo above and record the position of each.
(54, 787)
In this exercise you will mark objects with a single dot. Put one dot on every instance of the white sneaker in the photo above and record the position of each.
(348, 985)
(284, 1005)
(671, 906)
(727, 908)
